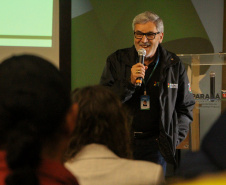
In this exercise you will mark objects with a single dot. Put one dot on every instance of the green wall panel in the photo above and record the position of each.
(108, 27)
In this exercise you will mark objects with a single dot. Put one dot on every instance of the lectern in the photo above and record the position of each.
(207, 76)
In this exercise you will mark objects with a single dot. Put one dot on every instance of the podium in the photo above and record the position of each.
(207, 75)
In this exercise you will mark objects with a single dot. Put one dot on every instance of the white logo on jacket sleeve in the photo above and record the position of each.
(172, 86)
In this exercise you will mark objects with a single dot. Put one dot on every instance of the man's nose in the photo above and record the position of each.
(144, 39)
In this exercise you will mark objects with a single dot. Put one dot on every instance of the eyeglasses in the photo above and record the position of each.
(149, 35)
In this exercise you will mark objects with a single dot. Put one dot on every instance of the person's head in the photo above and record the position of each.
(34, 114)
(152, 25)
(101, 120)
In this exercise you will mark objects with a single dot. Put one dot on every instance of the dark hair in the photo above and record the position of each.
(101, 119)
(33, 103)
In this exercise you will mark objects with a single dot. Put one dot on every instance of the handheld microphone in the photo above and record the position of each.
(141, 54)
(212, 85)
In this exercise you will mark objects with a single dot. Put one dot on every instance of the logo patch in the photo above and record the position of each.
(223, 95)
(189, 87)
(172, 86)
(156, 84)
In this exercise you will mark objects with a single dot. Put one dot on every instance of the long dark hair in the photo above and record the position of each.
(101, 119)
(33, 103)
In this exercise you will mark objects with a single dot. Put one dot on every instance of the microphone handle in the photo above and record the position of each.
(212, 85)
(139, 79)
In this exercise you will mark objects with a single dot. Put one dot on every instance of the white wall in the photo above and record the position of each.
(211, 13)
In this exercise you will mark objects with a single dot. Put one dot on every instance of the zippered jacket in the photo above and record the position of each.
(175, 96)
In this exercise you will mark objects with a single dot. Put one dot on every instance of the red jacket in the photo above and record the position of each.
(50, 172)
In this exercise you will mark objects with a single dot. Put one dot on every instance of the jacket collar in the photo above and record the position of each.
(167, 58)
(94, 151)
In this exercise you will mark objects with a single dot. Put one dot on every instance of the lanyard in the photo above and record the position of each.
(145, 84)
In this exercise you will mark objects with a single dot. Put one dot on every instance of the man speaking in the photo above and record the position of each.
(165, 90)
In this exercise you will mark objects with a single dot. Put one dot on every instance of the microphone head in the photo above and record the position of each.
(212, 74)
(142, 51)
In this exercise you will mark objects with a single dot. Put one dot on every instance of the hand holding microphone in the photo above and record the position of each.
(138, 70)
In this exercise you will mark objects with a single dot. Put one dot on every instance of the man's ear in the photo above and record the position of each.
(161, 35)
(71, 118)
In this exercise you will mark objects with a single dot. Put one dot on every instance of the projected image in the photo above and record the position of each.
(26, 23)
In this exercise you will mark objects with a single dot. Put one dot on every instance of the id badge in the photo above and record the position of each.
(145, 102)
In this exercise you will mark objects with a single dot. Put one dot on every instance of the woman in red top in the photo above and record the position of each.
(36, 121)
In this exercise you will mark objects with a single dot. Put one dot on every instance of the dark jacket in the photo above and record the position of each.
(175, 97)
(211, 156)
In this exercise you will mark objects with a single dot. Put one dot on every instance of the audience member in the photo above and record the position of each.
(36, 122)
(209, 163)
(99, 152)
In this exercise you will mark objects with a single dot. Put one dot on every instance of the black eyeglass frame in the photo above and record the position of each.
(154, 34)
